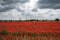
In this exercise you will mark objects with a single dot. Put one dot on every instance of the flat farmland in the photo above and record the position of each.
(33, 27)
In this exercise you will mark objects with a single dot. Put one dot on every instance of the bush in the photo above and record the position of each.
(56, 19)
(4, 32)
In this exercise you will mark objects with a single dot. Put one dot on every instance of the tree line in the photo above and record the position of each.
(29, 20)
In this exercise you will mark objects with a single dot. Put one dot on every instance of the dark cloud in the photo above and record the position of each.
(10, 4)
(52, 4)
(13, 1)
(6, 8)
(34, 10)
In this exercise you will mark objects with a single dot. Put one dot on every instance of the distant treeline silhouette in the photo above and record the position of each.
(28, 20)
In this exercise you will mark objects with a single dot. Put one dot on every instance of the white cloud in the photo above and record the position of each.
(40, 14)
(24, 11)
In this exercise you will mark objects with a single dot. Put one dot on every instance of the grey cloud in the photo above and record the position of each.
(49, 1)
(34, 10)
(13, 1)
(19, 10)
(7, 8)
(6, 5)
(52, 4)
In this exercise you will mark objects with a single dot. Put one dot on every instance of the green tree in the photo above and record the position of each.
(56, 19)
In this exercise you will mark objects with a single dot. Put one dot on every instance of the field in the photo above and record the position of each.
(49, 29)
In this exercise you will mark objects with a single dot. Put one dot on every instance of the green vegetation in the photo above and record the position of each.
(28, 20)
(57, 19)
(23, 35)
(4, 33)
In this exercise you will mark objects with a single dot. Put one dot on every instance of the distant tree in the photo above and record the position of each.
(43, 20)
(56, 19)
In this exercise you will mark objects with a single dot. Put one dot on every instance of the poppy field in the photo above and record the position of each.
(36, 30)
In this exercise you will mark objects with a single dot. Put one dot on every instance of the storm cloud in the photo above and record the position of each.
(51, 4)
(6, 5)
(13, 1)
(29, 9)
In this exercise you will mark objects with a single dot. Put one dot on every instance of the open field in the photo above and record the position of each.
(47, 30)
(31, 26)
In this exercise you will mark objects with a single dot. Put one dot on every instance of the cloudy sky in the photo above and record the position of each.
(29, 9)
